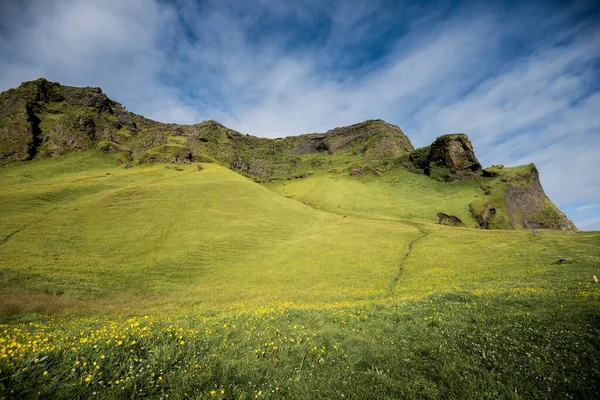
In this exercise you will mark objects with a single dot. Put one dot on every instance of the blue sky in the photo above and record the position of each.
(520, 78)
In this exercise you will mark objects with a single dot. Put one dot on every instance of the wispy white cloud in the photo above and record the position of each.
(589, 224)
(522, 82)
(111, 44)
(588, 207)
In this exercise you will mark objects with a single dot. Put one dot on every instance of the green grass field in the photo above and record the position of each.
(396, 194)
(191, 281)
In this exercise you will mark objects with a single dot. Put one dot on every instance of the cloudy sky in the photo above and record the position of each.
(520, 78)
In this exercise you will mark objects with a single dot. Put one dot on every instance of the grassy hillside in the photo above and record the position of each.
(79, 229)
(42, 119)
(399, 193)
(192, 281)
(395, 194)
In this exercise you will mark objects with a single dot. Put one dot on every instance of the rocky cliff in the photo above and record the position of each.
(45, 119)
(450, 157)
(529, 207)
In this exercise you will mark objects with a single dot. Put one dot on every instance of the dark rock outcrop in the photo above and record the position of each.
(16, 136)
(42, 119)
(171, 153)
(75, 117)
(450, 157)
(530, 208)
(445, 219)
(44, 91)
(373, 138)
(454, 154)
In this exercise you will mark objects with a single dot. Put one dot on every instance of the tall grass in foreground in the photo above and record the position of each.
(453, 345)
(156, 282)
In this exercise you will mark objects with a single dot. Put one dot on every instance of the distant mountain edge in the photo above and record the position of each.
(41, 119)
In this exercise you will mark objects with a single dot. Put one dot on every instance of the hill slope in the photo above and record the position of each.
(131, 266)
(166, 279)
(41, 119)
(517, 197)
(82, 227)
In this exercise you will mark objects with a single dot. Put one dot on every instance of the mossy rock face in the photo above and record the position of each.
(454, 152)
(483, 212)
(252, 166)
(171, 153)
(40, 90)
(44, 91)
(493, 171)
(420, 157)
(15, 142)
(360, 170)
(16, 137)
(73, 131)
(450, 220)
(88, 97)
(374, 139)
(42, 119)
(529, 207)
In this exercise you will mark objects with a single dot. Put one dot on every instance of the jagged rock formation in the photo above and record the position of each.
(530, 208)
(45, 119)
(42, 118)
(450, 157)
(454, 152)
(384, 140)
(17, 135)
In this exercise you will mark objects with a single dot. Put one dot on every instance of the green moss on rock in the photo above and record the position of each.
(483, 212)
(172, 153)
(453, 152)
